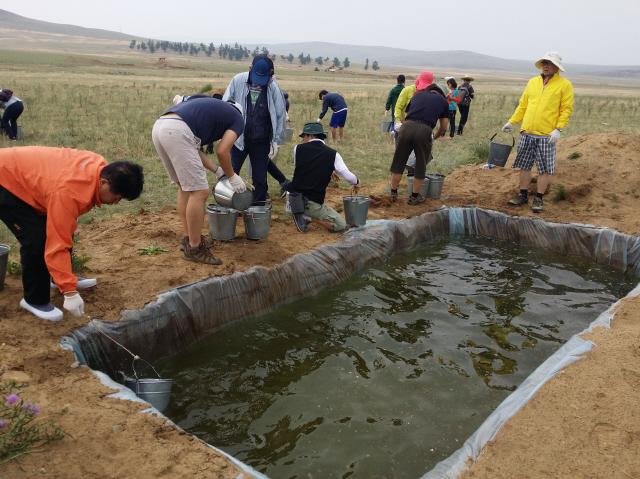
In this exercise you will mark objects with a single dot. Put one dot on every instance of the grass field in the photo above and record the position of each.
(110, 109)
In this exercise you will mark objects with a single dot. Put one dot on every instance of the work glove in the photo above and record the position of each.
(273, 151)
(287, 116)
(219, 172)
(319, 120)
(554, 137)
(386, 113)
(508, 127)
(397, 125)
(237, 184)
(74, 304)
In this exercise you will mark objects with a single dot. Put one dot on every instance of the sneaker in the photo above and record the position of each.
(207, 240)
(536, 207)
(200, 254)
(518, 201)
(394, 195)
(283, 188)
(449, 138)
(300, 222)
(416, 200)
(46, 311)
(83, 283)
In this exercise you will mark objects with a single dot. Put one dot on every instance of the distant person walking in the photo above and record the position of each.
(424, 80)
(426, 108)
(466, 95)
(544, 109)
(453, 98)
(392, 99)
(13, 108)
(339, 116)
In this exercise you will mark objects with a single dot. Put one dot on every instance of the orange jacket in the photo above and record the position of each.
(58, 182)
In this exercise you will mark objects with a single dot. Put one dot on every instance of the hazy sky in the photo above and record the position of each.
(583, 31)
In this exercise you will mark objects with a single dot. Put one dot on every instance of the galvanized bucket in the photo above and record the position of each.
(154, 391)
(4, 260)
(423, 188)
(257, 220)
(19, 133)
(385, 126)
(498, 152)
(356, 209)
(222, 222)
(435, 185)
(289, 133)
(225, 196)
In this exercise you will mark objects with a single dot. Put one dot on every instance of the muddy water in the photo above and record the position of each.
(389, 372)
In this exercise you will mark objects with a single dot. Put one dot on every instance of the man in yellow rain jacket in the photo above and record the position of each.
(545, 108)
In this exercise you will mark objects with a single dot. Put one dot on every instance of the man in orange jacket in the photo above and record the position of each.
(43, 191)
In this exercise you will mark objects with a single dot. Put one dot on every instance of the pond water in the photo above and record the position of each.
(389, 372)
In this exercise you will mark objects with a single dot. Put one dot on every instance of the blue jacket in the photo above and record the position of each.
(237, 91)
(333, 101)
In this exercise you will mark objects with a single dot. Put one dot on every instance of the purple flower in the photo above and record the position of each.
(3, 423)
(36, 409)
(12, 399)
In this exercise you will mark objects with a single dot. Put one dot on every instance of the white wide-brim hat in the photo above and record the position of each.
(553, 57)
(178, 99)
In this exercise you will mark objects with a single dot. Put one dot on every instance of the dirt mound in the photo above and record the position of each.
(89, 61)
(166, 64)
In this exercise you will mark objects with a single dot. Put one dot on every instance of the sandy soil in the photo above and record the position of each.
(583, 423)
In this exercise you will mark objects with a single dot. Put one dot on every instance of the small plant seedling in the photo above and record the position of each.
(627, 192)
(14, 267)
(615, 207)
(614, 196)
(153, 249)
(589, 209)
(575, 155)
(559, 194)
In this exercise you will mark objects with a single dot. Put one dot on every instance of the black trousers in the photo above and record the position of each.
(30, 229)
(10, 119)
(464, 114)
(452, 122)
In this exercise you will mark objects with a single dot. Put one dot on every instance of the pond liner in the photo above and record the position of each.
(186, 314)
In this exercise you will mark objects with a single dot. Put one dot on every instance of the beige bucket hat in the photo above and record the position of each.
(467, 77)
(553, 57)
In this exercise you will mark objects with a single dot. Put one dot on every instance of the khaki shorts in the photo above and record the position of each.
(179, 149)
(323, 213)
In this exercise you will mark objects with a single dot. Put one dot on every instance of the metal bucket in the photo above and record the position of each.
(289, 133)
(19, 133)
(385, 126)
(499, 153)
(4, 260)
(222, 222)
(257, 220)
(356, 209)
(225, 196)
(435, 185)
(423, 188)
(154, 391)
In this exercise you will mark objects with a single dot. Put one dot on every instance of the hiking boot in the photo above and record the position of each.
(283, 188)
(518, 201)
(200, 254)
(207, 240)
(394, 195)
(300, 222)
(416, 200)
(536, 207)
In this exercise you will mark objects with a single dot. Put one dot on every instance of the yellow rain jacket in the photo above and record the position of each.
(542, 110)
(403, 101)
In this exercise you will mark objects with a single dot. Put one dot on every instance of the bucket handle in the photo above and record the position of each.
(513, 139)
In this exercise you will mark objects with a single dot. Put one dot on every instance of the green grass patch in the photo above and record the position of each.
(559, 194)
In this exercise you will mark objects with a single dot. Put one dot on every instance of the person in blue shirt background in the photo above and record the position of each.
(339, 116)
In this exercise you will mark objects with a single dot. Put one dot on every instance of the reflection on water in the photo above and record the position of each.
(389, 372)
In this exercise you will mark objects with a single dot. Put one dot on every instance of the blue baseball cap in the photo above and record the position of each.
(260, 72)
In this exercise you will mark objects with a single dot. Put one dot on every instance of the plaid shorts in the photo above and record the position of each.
(536, 148)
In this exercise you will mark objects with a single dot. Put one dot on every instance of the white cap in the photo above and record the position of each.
(449, 78)
(553, 57)
(236, 105)
(177, 99)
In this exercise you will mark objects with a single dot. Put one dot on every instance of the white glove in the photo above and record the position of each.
(287, 116)
(397, 125)
(386, 113)
(237, 184)
(219, 172)
(273, 151)
(319, 120)
(508, 127)
(554, 137)
(74, 304)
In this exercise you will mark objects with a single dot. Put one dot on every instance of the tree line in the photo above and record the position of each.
(236, 52)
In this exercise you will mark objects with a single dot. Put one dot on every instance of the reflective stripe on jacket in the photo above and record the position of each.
(403, 101)
(60, 183)
(542, 110)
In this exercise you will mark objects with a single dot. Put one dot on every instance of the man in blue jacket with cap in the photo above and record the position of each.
(265, 123)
